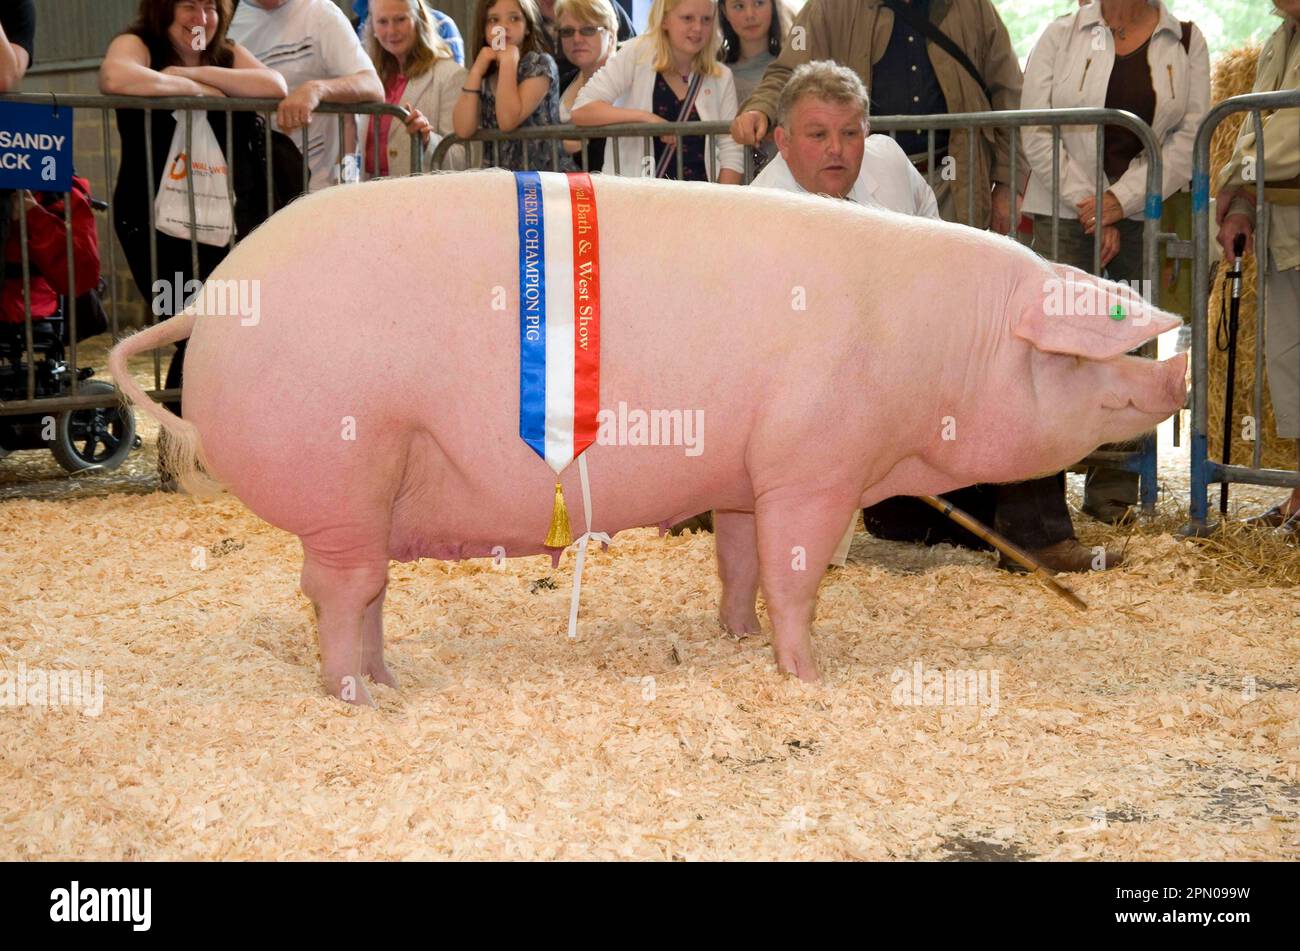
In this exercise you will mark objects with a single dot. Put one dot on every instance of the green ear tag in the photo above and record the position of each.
(1117, 313)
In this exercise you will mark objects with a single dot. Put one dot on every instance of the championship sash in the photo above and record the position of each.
(559, 323)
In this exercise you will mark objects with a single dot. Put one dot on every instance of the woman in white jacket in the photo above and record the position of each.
(1083, 59)
(418, 70)
(1123, 54)
(649, 80)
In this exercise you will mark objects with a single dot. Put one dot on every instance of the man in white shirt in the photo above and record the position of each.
(825, 150)
(312, 44)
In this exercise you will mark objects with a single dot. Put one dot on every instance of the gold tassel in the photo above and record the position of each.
(559, 536)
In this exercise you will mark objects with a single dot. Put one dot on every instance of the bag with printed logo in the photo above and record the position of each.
(213, 213)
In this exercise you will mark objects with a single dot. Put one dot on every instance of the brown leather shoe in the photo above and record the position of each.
(1273, 518)
(1067, 555)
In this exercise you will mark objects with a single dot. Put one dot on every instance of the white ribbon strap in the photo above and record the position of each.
(583, 541)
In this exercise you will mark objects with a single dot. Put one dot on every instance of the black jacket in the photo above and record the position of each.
(134, 192)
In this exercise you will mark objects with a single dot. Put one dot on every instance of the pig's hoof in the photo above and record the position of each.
(798, 661)
(740, 623)
(380, 674)
(349, 688)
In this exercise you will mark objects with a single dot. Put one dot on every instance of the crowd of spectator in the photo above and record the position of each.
(794, 88)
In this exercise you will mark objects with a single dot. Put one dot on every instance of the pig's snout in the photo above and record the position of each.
(1153, 389)
(1177, 381)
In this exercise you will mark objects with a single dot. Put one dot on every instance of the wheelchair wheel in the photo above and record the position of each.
(96, 438)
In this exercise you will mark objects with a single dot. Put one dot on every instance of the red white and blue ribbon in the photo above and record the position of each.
(559, 314)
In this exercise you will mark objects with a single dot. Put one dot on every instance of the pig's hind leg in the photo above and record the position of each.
(372, 642)
(346, 588)
(737, 549)
(796, 538)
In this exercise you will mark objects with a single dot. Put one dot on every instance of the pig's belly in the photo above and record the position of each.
(501, 504)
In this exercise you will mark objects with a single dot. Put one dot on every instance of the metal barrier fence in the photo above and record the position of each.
(1204, 469)
(970, 121)
(1142, 460)
(31, 403)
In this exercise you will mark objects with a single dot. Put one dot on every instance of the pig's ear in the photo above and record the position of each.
(1070, 311)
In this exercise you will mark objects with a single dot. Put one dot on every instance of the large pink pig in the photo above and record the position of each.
(838, 356)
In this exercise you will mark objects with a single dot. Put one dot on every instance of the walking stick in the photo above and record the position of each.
(1234, 311)
(1014, 552)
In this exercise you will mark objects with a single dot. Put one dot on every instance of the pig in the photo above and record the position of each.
(837, 355)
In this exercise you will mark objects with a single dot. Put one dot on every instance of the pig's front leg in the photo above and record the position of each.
(737, 548)
(796, 538)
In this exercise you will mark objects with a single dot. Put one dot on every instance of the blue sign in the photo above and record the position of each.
(35, 147)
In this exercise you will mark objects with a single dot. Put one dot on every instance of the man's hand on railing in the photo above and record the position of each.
(749, 128)
(296, 108)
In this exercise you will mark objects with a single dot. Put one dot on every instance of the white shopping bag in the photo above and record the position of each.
(213, 220)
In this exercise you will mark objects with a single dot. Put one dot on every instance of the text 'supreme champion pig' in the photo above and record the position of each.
(833, 355)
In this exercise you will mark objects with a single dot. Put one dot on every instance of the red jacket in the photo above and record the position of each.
(47, 249)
